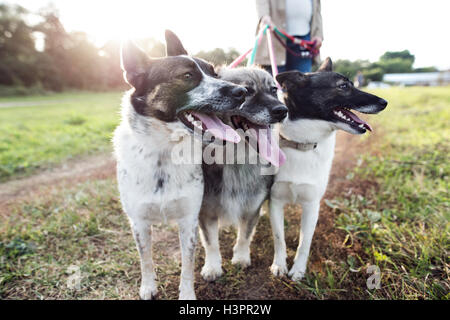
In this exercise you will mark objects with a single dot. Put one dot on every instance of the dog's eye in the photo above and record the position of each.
(343, 86)
(273, 90)
(187, 75)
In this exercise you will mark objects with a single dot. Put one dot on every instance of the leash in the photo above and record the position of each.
(251, 61)
(303, 53)
(252, 50)
(258, 40)
(305, 44)
(239, 59)
(273, 61)
(307, 47)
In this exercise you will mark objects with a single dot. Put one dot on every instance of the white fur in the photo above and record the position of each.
(301, 180)
(140, 144)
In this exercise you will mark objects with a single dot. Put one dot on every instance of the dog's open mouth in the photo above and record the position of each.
(267, 144)
(209, 123)
(346, 116)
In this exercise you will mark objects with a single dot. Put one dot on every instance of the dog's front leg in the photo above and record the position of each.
(188, 241)
(309, 220)
(278, 266)
(142, 232)
(241, 250)
(209, 233)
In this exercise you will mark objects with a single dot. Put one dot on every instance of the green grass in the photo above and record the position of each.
(392, 213)
(83, 227)
(402, 220)
(56, 128)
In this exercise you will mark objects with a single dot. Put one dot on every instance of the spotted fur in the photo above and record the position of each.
(153, 189)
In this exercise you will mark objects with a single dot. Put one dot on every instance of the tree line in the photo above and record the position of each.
(389, 62)
(44, 56)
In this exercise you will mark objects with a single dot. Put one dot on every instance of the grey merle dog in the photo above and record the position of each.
(235, 192)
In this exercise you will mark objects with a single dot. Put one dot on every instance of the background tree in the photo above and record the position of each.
(397, 61)
(350, 68)
(403, 55)
(17, 48)
(219, 56)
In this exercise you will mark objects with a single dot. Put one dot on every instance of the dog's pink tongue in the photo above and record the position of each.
(355, 118)
(217, 128)
(268, 146)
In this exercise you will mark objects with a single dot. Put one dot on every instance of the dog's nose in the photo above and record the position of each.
(239, 93)
(383, 103)
(279, 112)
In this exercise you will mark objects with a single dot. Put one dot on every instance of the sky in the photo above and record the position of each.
(353, 29)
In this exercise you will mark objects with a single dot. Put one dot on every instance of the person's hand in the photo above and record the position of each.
(318, 42)
(264, 21)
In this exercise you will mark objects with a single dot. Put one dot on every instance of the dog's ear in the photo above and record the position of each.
(294, 78)
(327, 66)
(174, 47)
(134, 62)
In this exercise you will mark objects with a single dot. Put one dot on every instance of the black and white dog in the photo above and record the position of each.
(319, 104)
(174, 94)
(235, 192)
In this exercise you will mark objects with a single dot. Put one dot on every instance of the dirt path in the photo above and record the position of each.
(71, 172)
(103, 166)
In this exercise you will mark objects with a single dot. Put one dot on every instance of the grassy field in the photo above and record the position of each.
(388, 206)
(402, 220)
(40, 131)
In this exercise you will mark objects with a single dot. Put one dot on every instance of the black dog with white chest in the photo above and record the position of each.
(319, 104)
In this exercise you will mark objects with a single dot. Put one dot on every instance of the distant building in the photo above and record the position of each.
(378, 84)
(418, 79)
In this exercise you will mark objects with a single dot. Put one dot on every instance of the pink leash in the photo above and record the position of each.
(259, 37)
(239, 59)
(273, 61)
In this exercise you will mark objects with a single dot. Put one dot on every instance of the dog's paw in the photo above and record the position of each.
(187, 295)
(211, 273)
(278, 270)
(148, 292)
(241, 259)
(296, 274)
(241, 256)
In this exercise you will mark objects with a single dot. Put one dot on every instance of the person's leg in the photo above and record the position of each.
(304, 65)
(281, 68)
(297, 63)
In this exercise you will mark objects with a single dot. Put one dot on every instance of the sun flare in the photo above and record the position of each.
(118, 20)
